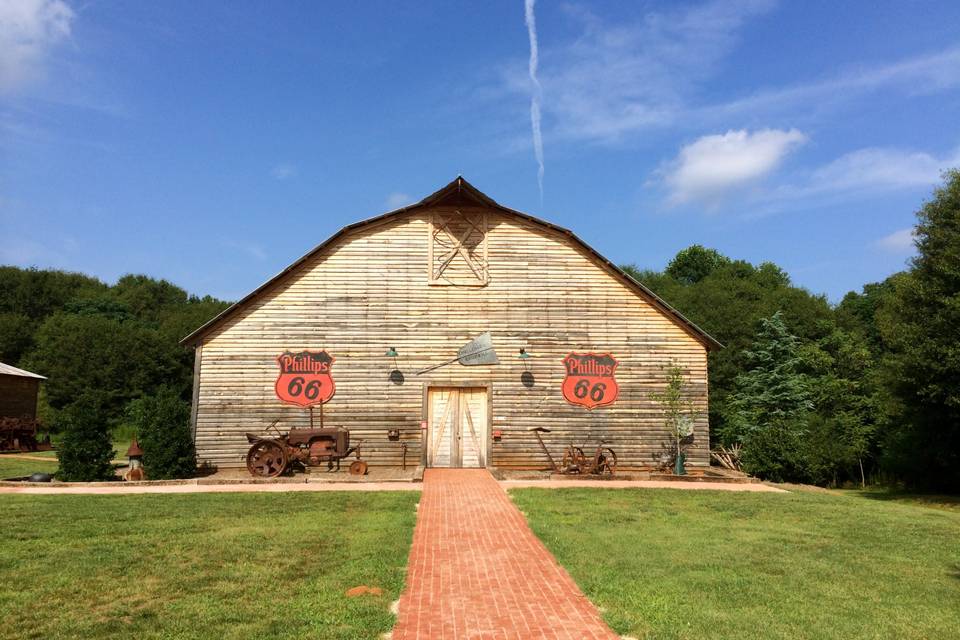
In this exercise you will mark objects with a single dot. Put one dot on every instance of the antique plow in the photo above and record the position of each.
(603, 462)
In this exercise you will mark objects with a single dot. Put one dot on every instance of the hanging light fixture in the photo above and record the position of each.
(396, 376)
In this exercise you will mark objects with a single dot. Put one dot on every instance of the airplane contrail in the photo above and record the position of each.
(536, 92)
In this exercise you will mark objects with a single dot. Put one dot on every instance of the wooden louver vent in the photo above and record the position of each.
(458, 249)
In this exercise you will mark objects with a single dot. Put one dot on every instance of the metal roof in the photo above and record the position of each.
(462, 188)
(7, 370)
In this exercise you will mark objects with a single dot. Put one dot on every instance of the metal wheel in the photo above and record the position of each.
(573, 460)
(608, 462)
(358, 468)
(266, 459)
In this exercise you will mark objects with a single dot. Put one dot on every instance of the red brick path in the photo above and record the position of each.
(477, 571)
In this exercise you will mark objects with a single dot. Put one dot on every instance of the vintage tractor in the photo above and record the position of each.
(269, 456)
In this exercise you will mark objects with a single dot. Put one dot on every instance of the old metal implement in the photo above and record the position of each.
(477, 351)
(269, 456)
(20, 434)
(575, 462)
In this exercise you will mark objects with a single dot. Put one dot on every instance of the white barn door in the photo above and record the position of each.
(458, 427)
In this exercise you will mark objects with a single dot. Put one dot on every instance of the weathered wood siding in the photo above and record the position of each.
(18, 396)
(370, 290)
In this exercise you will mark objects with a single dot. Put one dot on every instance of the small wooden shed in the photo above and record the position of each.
(18, 392)
(580, 346)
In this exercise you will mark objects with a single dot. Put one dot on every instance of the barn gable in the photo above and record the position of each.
(389, 298)
(451, 230)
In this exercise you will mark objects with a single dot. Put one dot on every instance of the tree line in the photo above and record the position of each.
(118, 343)
(867, 390)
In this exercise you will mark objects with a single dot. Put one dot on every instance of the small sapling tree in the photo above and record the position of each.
(679, 413)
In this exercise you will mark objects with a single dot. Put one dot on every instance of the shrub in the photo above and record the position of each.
(85, 451)
(162, 422)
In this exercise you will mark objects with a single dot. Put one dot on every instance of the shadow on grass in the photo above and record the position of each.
(933, 500)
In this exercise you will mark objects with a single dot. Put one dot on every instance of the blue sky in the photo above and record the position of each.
(213, 143)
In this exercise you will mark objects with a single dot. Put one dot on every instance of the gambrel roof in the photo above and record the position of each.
(460, 192)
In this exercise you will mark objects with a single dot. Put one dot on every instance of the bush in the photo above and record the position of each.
(162, 423)
(85, 451)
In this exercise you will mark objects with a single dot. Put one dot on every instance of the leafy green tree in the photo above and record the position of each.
(119, 360)
(695, 263)
(85, 451)
(40, 293)
(162, 423)
(842, 438)
(770, 403)
(920, 324)
(16, 336)
(146, 297)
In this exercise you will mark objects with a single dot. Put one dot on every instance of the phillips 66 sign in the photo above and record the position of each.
(305, 378)
(590, 379)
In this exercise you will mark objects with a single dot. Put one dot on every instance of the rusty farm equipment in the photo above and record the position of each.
(21, 434)
(603, 462)
(269, 456)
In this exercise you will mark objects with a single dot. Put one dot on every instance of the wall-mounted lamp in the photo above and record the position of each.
(527, 376)
(393, 435)
(497, 435)
(396, 376)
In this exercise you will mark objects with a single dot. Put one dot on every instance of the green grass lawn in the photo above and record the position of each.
(704, 564)
(198, 566)
(18, 467)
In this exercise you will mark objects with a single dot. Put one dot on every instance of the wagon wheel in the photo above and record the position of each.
(266, 459)
(607, 463)
(573, 460)
(358, 468)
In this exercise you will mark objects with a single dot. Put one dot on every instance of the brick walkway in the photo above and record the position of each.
(477, 571)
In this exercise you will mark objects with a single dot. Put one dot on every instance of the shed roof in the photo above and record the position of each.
(461, 192)
(8, 370)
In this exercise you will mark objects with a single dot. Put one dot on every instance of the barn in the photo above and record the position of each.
(18, 409)
(18, 392)
(441, 334)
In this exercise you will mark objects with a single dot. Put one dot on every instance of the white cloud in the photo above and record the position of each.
(860, 174)
(917, 75)
(898, 242)
(616, 79)
(284, 171)
(29, 29)
(397, 200)
(712, 166)
(536, 93)
(881, 169)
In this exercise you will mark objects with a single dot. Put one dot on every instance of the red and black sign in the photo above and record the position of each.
(305, 378)
(590, 380)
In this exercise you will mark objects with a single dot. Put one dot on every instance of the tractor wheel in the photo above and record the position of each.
(266, 459)
(608, 462)
(358, 468)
